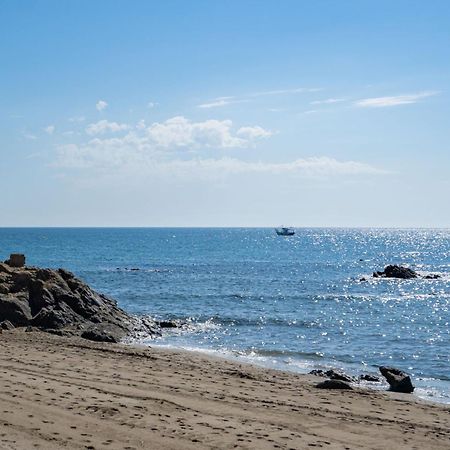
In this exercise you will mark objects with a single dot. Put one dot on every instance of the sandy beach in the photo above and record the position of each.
(70, 393)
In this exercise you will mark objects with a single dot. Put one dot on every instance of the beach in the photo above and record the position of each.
(60, 392)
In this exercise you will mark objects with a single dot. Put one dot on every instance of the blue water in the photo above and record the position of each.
(291, 303)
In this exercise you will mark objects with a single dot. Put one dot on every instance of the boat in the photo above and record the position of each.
(285, 231)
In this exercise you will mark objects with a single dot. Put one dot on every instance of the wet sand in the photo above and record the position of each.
(69, 393)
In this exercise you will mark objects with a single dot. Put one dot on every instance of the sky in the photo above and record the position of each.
(225, 113)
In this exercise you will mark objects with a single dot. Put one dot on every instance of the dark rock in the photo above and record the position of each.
(338, 375)
(332, 374)
(394, 271)
(398, 380)
(368, 377)
(333, 384)
(432, 276)
(31, 329)
(102, 334)
(15, 308)
(318, 373)
(65, 274)
(167, 324)
(6, 325)
(57, 300)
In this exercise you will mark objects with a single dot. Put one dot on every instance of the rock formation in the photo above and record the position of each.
(56, 301)
(405, 273)
(394, 271)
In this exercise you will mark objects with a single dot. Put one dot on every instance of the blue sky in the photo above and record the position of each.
(237, 113)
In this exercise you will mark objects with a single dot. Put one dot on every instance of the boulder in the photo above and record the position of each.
(398, 380)
(333, 384)
(103, 334)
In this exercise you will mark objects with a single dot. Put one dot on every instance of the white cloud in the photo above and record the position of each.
(152, 105)
(145, 150)
(219, 101)
(143, 143)
(224, 101)
(255, 132)
(74, 157)
(285, 91)
(101, 105)
(50, 129)
(29, 136)
(141, 125)
(77, 119)
(103, 126)
(382, 102)
(328, 101)
(181, 132)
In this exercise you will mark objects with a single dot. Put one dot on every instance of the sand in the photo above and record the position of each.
(69, 393)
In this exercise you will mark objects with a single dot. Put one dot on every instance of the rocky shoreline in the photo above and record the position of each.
(58, 302)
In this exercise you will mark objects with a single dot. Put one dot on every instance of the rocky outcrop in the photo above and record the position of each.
(404, 273)
(57, 301)
(398, 380)
(394, 271)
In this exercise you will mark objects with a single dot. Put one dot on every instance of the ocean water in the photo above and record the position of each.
(293, 303)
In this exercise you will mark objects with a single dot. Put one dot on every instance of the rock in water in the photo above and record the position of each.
(398, 380)
(394, 271)
(57, 301)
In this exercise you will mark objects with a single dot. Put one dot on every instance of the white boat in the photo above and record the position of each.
(285, 231)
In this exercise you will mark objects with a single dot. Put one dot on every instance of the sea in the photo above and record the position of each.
(292, 303)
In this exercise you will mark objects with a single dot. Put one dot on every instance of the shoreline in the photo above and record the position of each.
(382, 386)
(72, 393)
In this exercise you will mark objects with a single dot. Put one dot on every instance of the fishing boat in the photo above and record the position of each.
(285, 231)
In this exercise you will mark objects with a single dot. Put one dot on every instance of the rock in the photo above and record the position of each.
(6, 325)
(102, 334)
(332, 374)
(333, 384)
(368, 377)
(318, 372)
(398, 380)
(394, 271)
(167, 324)
(56, 301)
(432, 276)
(15, 308)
